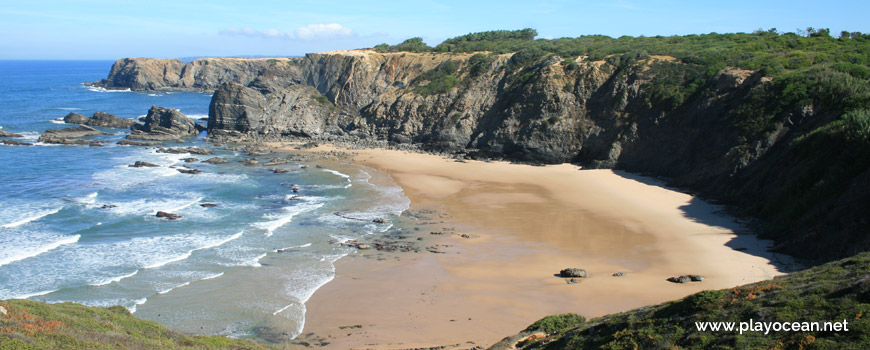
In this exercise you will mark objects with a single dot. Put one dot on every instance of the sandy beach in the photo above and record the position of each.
(503, 232)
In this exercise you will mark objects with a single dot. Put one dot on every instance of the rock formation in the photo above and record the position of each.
(101, 119)
(9, 134)
(71, 136)
(164, 124)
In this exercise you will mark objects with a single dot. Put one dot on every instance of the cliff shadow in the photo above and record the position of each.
(745, 239)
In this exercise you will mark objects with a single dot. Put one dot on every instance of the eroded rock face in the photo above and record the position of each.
(298, 110)
(164, 124)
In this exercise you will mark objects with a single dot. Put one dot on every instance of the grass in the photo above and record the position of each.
(36, 325)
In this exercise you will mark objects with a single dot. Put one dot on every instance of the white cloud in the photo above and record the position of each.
(309, 32)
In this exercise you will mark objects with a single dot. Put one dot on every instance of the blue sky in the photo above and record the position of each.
(183, 28)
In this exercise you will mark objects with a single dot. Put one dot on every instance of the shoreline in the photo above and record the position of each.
(523, 224)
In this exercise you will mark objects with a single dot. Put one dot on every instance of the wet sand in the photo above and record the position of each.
(522, 224)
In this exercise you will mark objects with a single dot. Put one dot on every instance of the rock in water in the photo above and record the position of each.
(216, 160)
(573, 272)
(165, 124)
(141, 164)
(69, 136)
(189, 171)
(107, 120)
(139, 143)
(170, 216)
(101, 119)
(184, 150)
(9, 134)
(75, 118)
(208, 205)
(15, 143)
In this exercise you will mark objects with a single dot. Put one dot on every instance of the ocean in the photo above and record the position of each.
(77, 224)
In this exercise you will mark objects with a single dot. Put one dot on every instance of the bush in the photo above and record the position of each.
(555, 323)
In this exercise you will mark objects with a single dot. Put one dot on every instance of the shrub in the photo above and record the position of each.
(555, 323)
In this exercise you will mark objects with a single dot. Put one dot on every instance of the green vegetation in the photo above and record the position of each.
(36, 325)
(439, 80)
(555, 323)
(410, 45)
(323, 100)
(832, 292)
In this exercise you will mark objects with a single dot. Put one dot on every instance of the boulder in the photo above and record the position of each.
(165, 124)
(251, 162)
(686, 279)
(75, 118)
(281, 171)
(190, 160)
(680, 279)
(189, 171)
(141, 164)
(573, 272)
(208, 205)
(619, 274)
(170, 216)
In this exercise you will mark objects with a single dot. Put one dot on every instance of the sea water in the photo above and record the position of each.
(77, 224)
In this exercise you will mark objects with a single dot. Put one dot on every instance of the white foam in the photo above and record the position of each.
(220, 243)
(58, 121)
(282, 309)
(102, 89)
(135, 304)
(14, 254)
(256, 261)
(306, 245)
(67, 108)
(190, 252)
(287, 217)
(31, 295)
(171, 288)
(37, 216)
(346, 176)
(212, 276)
(170, 260)
(183, 206)
(114, 279)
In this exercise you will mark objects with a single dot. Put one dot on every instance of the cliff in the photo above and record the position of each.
(713, 131)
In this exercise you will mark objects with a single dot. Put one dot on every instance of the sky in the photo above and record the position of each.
(96, 29)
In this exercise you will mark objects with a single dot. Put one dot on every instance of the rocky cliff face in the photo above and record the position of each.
(606, 114)
(205, 74)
